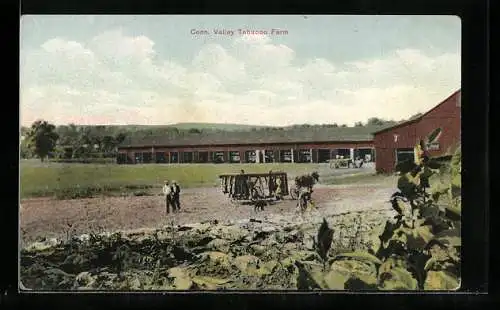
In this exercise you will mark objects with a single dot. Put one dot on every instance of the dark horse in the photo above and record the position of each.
(307, 181)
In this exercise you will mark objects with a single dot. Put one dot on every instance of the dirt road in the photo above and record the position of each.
(47, 218)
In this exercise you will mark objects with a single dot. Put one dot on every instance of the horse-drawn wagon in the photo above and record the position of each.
(254, 186)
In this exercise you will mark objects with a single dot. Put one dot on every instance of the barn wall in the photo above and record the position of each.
(386, 145)
(447, 116)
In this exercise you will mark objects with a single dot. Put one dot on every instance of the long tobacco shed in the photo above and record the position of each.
(386, 145)
(396, 143)
(301, 145)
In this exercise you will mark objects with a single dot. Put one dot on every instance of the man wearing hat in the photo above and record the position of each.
(167, 192)
(176, 191)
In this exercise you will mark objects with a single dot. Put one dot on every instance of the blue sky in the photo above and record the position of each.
(153, 70)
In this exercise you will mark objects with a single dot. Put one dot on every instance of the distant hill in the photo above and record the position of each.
(187, 126)
(215, 126)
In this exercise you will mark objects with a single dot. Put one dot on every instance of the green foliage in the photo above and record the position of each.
(324, 240)
(41, 139)
(80, 141)
(26, 151)
(419, 248)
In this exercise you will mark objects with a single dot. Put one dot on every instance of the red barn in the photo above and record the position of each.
(396, 143)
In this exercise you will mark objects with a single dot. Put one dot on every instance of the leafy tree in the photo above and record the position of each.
(25, 150)
(108, 143)
(375, 121)
(69, 136)
(42, 138)
(120, 137)
(194, 130)
(358, 124)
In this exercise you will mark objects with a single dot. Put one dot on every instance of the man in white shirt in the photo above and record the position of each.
(167, 192)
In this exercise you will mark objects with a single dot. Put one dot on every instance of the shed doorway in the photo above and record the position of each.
(404, 155)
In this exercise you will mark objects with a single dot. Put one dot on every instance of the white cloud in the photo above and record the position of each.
(115, 78)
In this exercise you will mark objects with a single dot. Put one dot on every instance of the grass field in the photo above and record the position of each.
(365, 178)
(85, 180)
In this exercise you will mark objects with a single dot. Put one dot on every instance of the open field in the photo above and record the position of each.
(45, 217)
(129, 243)
(73, 180)
(202, 198)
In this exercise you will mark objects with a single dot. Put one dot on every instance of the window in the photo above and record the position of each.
(406, 154)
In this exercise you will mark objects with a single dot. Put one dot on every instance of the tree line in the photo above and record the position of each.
(45, 140)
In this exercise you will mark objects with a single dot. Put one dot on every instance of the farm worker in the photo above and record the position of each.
(176, 196)
(243, 184)
(167, 191)
(278, 188)
(271, 183)
(305, 196)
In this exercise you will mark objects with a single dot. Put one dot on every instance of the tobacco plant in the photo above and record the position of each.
(419, 247)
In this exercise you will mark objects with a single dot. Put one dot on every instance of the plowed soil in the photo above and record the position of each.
(47, 218)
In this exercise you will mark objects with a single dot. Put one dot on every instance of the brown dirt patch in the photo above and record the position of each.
(46, 218)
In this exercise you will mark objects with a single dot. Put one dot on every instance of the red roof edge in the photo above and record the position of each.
(421, 116)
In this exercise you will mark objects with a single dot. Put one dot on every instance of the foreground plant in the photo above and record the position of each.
(419, 248)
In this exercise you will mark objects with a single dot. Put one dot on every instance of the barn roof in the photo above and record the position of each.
(415, 119)
(302, 135)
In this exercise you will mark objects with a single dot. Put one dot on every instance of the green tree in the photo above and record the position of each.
(69, 136)
(358, 124)
(375, 121)
(194, 130)
(42, 138)
(25, 149)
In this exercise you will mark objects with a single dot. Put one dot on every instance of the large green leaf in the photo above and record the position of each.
(405, 166)
(400, 206)
(397, 279)
(181, 278)
(408, 185)
(441, 280)
(335, 280)
(354, 267)
(433, 164)
(454, 212)
(449, 237)
(309, 277)
(359, 255)
(324, 239)
(414, 238)
(211, 283)
(361, 282)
